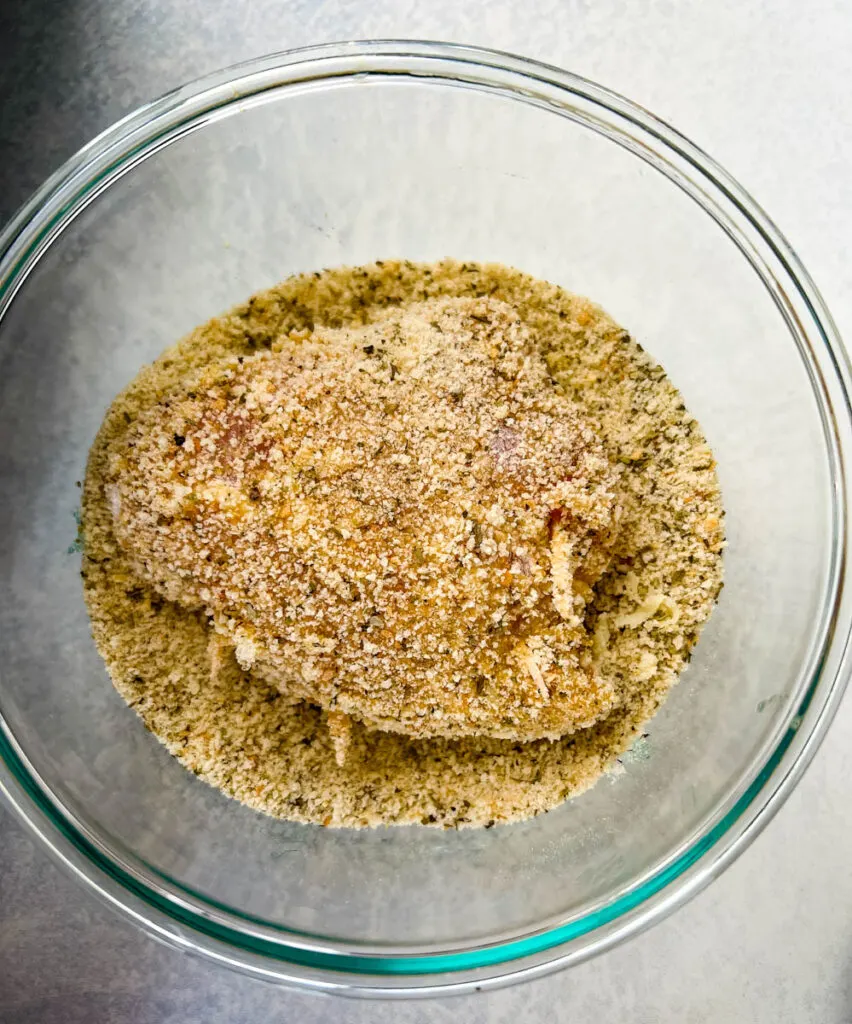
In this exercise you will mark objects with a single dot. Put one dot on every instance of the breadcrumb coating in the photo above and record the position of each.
(400, 522)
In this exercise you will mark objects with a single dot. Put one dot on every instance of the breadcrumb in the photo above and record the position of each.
(633, 602)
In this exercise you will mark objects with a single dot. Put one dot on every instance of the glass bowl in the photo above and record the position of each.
(344, 154)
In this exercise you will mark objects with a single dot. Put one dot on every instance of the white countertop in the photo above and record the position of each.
(764, 87)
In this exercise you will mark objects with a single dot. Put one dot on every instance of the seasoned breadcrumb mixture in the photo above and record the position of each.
(401, 543)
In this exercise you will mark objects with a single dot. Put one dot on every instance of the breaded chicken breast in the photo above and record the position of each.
(400, 522)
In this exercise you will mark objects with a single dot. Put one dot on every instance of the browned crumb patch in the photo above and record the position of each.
(296, 760)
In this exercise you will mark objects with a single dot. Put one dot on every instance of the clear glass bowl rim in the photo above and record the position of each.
(193, 922)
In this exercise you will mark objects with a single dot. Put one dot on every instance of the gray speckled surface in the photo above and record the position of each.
(763, 86)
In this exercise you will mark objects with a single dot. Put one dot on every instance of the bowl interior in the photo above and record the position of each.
(348, 171)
